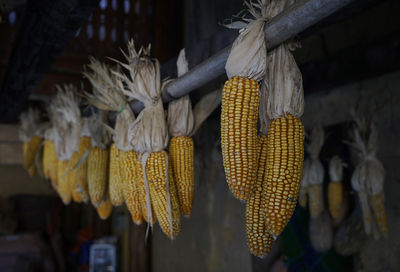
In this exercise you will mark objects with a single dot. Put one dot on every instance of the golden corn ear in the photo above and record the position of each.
(285, 154)
(156, 176)
(259, 241)
(76, 196)
(114, 185)
(81, 171)
(32, 170)
(239, 114)
(131, 195)
(63, 186)
(105, 208)
(181, 151)
(46, 158)
(377, 203)
(335, 198)
(97, 174)
(52, 164)
(30, 150)
(316, 200)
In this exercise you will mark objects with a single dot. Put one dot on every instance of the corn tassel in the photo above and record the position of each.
(63, 186)
(181, 152)
(284, 169)
(335, 198)
(166, 210)
(259, 241)
(81, 171)
(97, 174)
(115, 186)
(377, 203)
(30, 149)
(131, 196)
(105, 208)
(240, 101)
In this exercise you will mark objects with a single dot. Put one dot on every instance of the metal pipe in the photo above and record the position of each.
(287, 24)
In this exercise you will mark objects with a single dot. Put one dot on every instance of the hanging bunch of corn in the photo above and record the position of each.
(64, 114)
(315, 173)
(285, 137)
(259, 240)
(98, 160)
(246, 65)
(108, 95)
(149, 136)
(183, 122)
(335, 187)
(368, 178)
(31, 136)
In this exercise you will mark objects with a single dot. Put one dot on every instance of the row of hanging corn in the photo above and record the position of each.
(126, 161)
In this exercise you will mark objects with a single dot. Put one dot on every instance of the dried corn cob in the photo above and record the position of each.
(105, 208)
(81, 172)
(377, 203)
(160, 186)
(30, 150)
(141, 190)
(284, 169)
(335, 187)
(259, 241)
(240, 99)
(64, 185)
(316, 200)
(76, 196)
(115, 186)
(181, 152)
(52, 165)
(97, 174)
(130, 188)
(46, 158)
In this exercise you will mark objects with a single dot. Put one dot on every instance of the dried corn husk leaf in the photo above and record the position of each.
(100, 136)
(316, 170)
(321, 232)
(303, 193)
(336, 169)
(29, 123)
(202, 110)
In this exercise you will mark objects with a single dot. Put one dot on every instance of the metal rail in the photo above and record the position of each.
(287, 24)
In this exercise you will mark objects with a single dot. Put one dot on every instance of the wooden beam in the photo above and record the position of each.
(46, 29)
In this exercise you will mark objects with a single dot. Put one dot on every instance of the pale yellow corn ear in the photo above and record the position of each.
(105, 208)
(97, 174)
(115, 180)
(181, 151)
(32, 170)
(239, 114)
(316, 200)
(377, 203)
(303, 197)
(335, 198)
(30, 150)
(63, 185)
(285, 155)
(129, 182)
(259, 241)
(81, 171)
(168, 214)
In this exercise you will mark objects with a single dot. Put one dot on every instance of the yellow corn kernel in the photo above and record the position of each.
(32, 170)
(335, 198)
(285, 154)
(377, 203)
(316, 200)
(105, 208)
(114, 185)
(63, 186)
(239, 114)
(167, 212)
(181, 153)
(129, 183)
(80, 183)
(30, 150)
(97, 174)
(259, 241)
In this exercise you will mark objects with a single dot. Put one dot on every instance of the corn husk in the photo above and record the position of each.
(303, 193)
(368, 177)
(321, 232)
